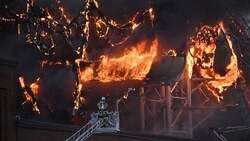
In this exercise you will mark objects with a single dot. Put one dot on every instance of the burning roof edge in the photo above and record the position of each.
(167, 69)
(21, 122)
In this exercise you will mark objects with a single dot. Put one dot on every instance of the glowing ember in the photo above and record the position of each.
(43, 63)
(170, 53)
(46, 63)
(34, 86)
(67, 63)
(202, 54)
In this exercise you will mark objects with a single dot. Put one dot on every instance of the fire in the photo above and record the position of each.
(87, 74)
(35, 87)
(170, 53)
(63, 15)
(134, 65)
(67, 63)
(48, 63)
(202, 54)
(77, 99)
(27, 96)
(30, 93)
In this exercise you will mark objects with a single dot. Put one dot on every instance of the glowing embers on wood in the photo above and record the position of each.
(43, 26)
(201, 56)
(170, 53)
(30, 93)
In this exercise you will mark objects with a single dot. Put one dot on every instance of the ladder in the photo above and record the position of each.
(86, 131)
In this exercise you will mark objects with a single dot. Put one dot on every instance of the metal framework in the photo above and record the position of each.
(218, 134)
(171, 106)
(240, 31)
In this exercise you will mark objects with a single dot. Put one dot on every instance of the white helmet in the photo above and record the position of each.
(103, 98)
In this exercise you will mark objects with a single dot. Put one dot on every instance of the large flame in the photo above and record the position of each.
(134, 64)
(202, 54)
(87, 74)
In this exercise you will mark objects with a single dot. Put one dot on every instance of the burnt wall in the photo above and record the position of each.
(41, 131)
(28, 130)
(7, 101)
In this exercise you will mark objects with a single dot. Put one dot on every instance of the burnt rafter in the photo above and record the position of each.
(237, 24)
(240, 32)
(42, 27)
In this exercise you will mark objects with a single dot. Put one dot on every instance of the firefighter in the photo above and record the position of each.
(102, 105)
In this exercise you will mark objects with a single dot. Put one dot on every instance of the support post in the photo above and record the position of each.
(189, 104)
(153, 109)
(168, 109)
(142, 109)
(117, 105)
(164, 105)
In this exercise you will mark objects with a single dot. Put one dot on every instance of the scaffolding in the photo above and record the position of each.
(170, 105)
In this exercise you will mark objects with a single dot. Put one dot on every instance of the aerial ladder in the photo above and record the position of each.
(101, 124)
(86, 131)
(107, 124)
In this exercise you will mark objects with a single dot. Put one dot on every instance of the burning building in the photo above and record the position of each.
(170, 74)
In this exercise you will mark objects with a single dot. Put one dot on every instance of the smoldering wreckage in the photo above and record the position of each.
(167, 94)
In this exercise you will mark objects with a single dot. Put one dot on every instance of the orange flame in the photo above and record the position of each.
(47, 63)
(67, 63)
(134, 65)
(202, 47)
(35, 87)
(28, 98)
(77, 99)
(170, 53)
(87, 74)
